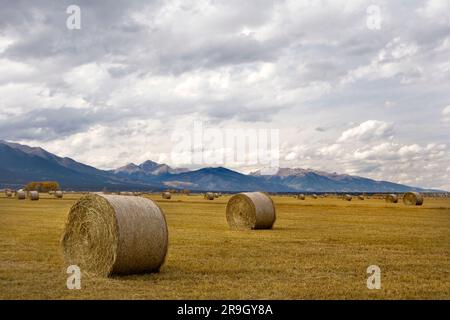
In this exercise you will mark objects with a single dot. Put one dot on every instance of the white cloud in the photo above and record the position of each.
(368, 130)
(446, 114)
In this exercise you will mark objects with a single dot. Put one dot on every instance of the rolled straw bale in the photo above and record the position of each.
(209, 196)
(361, 197)
(392, 198)
(21, 195)
(250, 210)
(34, 195)
(301, 197)
(111, 234)
(413, 199)
(166, 195)
(348, 197)
(8, 193)
(216, 195)
(58, 194)
(314, 196)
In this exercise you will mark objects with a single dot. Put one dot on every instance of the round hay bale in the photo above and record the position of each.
(392, 198)
(209, 196)
(21, 195)
(413, 199)
(216, 195)
(58, 194)
(250, 210)
(301, 197)
(314, 196)
(348, 197)
(166, 195)
(8, 194)
(110, 234)
(361, 197)
(34, 195)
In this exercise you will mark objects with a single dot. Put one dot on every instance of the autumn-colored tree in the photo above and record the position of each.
(42, 186)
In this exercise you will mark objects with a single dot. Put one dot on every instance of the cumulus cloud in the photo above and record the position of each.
(368, 130)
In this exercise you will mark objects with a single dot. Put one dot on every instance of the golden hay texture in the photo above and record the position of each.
(392, 198)
(348, 197)
(250, 210)
(301, 197)
(413, 199)
(33, 195)
(21, 195)
(209, 196)
(110, 234)
(166, 195)
(58, 194)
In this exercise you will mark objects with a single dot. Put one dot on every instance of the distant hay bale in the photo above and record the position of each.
(314, 196)
(301, 197)
(348, 197)
(166, 195)
(413, 199)
(209, 196)
(250, 210)
(21, 195)
(33, 195)
(392, 198)
(111, 234)
(216, 195)
(361, 197)
(58, 194)
(8, 194)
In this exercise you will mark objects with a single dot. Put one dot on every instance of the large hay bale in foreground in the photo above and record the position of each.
(110, 234)
(301, 197)
(166, 195)
(33, 195)
(392, 198)
(413, 199)
(348, 197)
(21, 195)
(250, 210)
(209, 196)
(58, 194)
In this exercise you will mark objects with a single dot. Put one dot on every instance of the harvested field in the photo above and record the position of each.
(317, 249)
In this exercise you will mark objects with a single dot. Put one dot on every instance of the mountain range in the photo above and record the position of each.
(20, 164)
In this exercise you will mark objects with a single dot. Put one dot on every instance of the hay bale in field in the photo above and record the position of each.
(21, 195)
(301, 197)
(216, 195)
(348, 197)
(8, 194)
(58, 194)
(361, 197)
(413, 199)
(250, 210)
(209, 196)
(166, 195)
(392, 198)
(33, 195)
(314, 196)
(110, 234)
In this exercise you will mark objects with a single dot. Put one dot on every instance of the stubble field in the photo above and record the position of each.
(318, 249)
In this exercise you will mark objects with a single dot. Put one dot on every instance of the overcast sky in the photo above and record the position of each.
(345, 95)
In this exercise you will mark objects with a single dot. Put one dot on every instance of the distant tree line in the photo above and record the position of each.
(42, 186)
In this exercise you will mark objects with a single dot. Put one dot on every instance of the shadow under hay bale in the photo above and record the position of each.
(391, 198)
(110, 234)
(250, 210)
(413, 199)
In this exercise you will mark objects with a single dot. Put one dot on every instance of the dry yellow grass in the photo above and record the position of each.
(318, 249)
